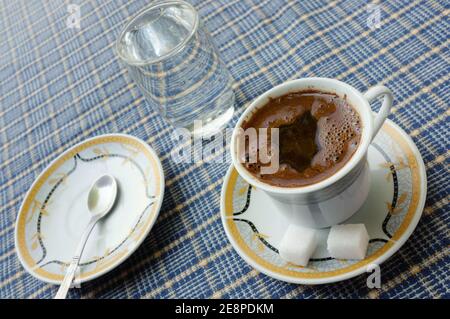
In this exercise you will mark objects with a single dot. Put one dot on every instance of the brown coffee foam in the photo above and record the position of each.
(337, 135)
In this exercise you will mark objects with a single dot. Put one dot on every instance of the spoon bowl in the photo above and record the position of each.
(102, 195)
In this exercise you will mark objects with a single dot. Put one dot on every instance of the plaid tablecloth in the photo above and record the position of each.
(60, 85)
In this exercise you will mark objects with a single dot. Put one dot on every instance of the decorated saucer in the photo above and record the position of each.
(391, 212)
(54, 212)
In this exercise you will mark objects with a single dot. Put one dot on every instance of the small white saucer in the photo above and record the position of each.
(391, 212)
(54, 212)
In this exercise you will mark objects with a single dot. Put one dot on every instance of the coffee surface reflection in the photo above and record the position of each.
(318, 134)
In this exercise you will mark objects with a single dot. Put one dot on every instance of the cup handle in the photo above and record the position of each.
(372, 94)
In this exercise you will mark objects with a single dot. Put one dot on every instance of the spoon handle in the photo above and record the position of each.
(71, 270)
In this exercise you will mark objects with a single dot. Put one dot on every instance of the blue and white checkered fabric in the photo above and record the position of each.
(60, 85)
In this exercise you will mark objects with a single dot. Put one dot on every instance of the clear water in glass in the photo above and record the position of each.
(170, 55)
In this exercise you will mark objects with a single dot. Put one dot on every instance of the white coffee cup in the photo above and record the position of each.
(336, 198)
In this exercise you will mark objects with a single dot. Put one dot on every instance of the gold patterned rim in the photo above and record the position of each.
(408, 224)
(20, 238)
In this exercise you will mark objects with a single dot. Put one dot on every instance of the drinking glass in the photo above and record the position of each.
(170, 56)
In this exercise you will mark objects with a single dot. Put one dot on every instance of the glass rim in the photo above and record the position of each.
(173, 51)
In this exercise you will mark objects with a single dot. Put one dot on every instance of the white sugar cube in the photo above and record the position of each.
(348, 241)
(298, 244)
